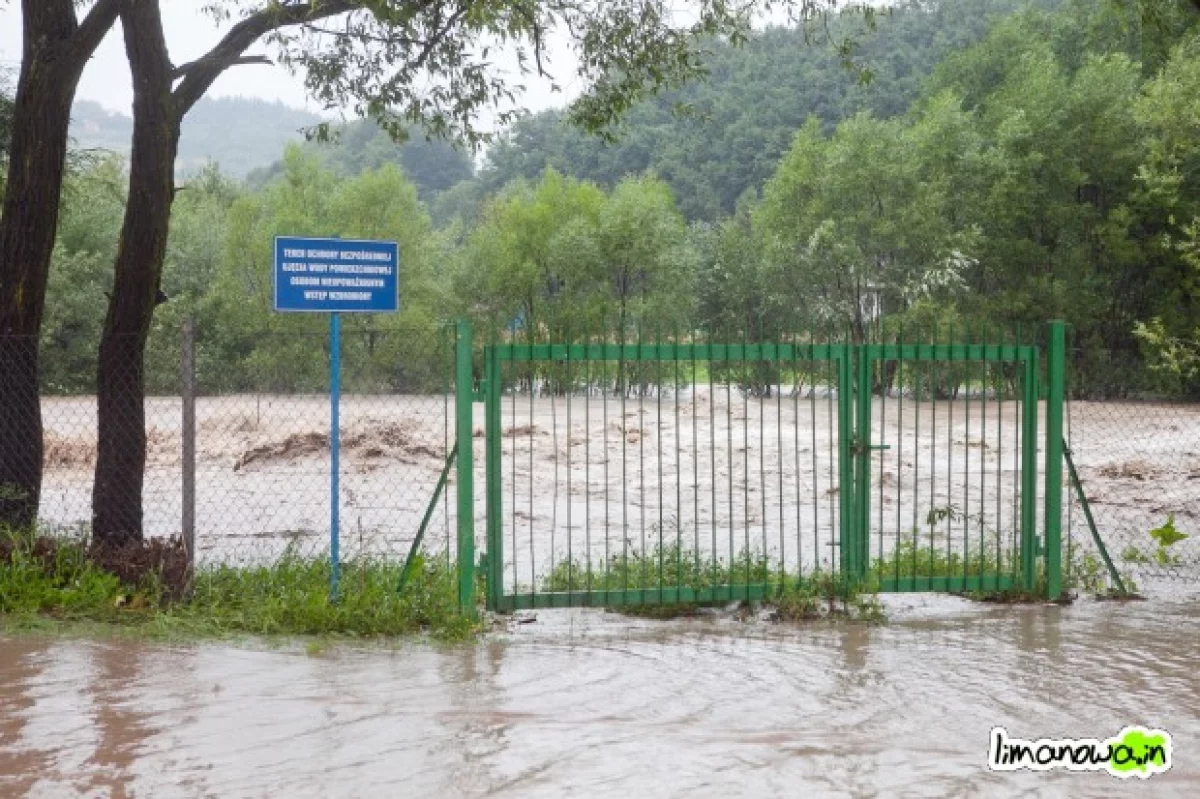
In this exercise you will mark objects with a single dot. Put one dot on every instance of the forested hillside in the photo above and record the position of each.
(714, 140)
(237, 134)
(433, 166)
(1001, 170)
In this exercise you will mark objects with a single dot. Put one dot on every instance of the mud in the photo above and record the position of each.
(590, 704)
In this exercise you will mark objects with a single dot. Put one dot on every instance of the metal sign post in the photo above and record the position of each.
(336, 276)
(335, 449)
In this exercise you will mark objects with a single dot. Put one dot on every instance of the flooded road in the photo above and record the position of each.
(593, 704)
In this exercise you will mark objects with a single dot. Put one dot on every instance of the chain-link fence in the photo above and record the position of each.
(260, 455)
(260, 446)
(1139, 468)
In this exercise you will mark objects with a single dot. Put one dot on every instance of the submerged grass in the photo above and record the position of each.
(790, 597)
(47, 583)
(1081, 571)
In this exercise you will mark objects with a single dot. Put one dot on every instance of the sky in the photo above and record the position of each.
(189, 34)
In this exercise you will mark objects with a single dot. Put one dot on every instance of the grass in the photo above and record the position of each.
(792, 597)
(1082, 571)
(913, 557)
(54, 585)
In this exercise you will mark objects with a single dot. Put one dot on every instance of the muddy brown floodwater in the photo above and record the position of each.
(580, 476)
(593, 704)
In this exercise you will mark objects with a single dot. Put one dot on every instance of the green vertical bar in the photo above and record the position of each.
(495, 493)
(463, 419)
(845, 399)
(1029, 425)
(862, 458)
(1056, 373)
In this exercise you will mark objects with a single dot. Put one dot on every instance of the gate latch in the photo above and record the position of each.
(859, 448)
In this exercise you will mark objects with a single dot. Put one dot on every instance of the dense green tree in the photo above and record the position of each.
(854, 226)
(1168, 205)
(527, 261)
(243, 345)
(1061, 153)
(81, 275)
(562, 256)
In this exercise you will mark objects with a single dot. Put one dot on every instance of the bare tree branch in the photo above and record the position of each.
(244, 34)
(439, 34)
(96, 25)
(362, 36)
(182, 71)
(539, 35)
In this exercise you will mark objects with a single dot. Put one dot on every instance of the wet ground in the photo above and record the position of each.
(593, 704)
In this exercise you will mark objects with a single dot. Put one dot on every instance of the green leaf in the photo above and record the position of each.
(1167, 534)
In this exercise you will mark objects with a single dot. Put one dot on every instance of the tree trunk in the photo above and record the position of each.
(120, 386)
(53, 59)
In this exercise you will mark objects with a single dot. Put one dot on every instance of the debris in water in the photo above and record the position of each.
(293, 447)
(375, 443)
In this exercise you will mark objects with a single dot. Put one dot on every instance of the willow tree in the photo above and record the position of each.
(431, 65)
(56, 45)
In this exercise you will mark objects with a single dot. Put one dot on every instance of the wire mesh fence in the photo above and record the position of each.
(730, 457)
(262, 449)
(1139, 467)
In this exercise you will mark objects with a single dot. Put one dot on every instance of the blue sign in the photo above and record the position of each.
(336, 275)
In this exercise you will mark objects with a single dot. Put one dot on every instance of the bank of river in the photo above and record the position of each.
(583, 703)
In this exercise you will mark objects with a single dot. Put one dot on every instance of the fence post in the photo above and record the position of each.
(188, 390)
(1056, 388)
(1029, 468)
(464, 358)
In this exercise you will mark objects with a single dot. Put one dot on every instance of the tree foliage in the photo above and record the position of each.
(712, 140)
(6, 109)
(565, 255)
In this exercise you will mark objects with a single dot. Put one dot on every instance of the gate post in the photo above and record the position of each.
(1056, 349)
(495, 533)
(864, 396)
(464, 356)
(847, 523)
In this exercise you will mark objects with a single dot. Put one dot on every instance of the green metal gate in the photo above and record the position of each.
(696, 471)
(970, 533)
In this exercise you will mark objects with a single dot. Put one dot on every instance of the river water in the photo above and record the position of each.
(585, 703)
